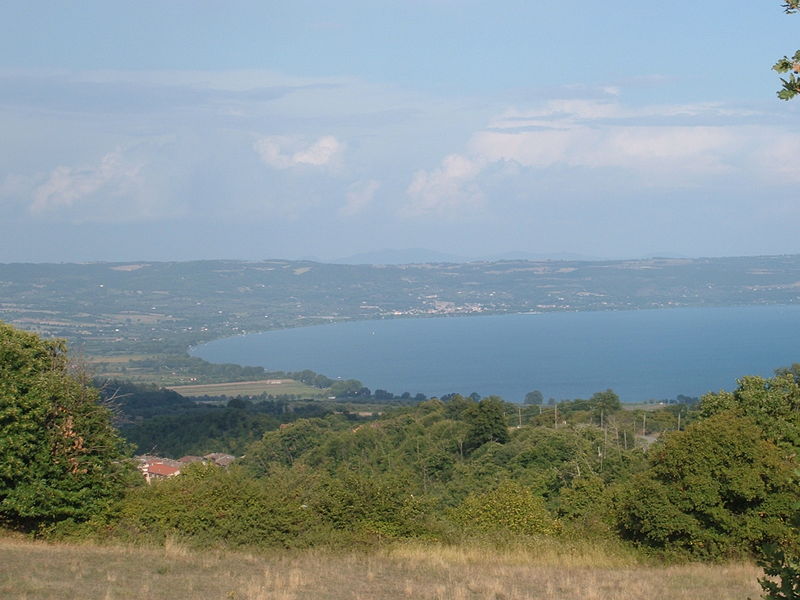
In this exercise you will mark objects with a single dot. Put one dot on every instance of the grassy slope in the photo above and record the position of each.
(42, 571)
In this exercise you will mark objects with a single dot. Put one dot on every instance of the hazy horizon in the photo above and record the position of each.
(192, 130)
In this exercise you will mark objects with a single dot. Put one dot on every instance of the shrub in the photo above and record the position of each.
(374, 505)
(509, 507)
(207, 505)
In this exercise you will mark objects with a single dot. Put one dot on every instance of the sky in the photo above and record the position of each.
(183, 130)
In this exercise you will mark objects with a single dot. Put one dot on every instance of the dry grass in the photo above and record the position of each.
(34, 571)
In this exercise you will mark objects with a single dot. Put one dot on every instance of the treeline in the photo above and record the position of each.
(206, 372)
(720, 481)
(160, 421)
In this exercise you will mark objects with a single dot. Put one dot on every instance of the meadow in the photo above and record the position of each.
(44, 571)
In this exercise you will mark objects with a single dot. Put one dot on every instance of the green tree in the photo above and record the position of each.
(781, 561)
(791, 85)
(774, 404)
(487, 423)
(605, 403)
(60, 456)
(534, 397)
(347, 388)
(718, 488)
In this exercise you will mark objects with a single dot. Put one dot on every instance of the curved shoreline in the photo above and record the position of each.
(575, 324)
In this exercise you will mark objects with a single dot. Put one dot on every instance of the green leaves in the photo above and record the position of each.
(509, 507)
(60, 456)
(716, 489)
(487, 423)
(791, 86)
(774, 404)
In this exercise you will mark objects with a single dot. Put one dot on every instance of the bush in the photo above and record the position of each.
(371, 505)
(509, 507)
(209, 506)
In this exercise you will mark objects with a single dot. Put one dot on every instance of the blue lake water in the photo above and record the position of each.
(645, 354)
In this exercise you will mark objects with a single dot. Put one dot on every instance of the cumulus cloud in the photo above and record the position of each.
(282, 152)
(655, 146)
(359, 195)
(446, 189)
(651, 151)
(123, 185)
(67, 186)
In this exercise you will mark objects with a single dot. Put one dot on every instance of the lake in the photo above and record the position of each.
(641, 355)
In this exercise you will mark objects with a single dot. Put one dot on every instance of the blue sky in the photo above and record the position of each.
(185, 130)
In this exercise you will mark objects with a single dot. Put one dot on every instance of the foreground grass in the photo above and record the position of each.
(33, 570)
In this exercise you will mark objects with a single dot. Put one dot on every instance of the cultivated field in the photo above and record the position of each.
(38, 571)
(274, 387)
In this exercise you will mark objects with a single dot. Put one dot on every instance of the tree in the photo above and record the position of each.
(774, 404)
(60, 456)
(781, 560)
(717, 489)
(791, 85)
(606, 402)
(347, 388)
(487, 423)
(534, 397)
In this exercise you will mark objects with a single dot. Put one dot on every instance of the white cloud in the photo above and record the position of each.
(126, 184)
(359, 195)
(656, 146)
(282, 152)
(445, 190)
(67, 186)
(646, 150)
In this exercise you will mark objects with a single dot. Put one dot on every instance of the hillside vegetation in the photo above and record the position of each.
(445, 475)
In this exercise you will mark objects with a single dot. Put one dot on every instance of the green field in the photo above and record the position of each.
(38, 571)
(273, 387)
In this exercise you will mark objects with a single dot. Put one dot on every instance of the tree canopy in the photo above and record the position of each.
(719, 488)
(60, 455)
